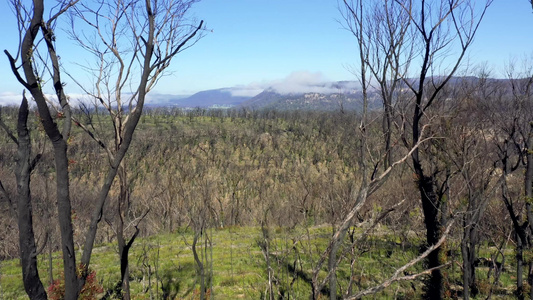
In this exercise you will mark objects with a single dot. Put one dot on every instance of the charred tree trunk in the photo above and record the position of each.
(430, 206)
(332, 265)
(55, 136)
(528, 191)
(387, 131)
(519, 268)
(429, 198)
(199, 265)
(475, 211)
(124, 264)
(468, 251)
(64, 212)
(28, 250)
(520, 237)
(123, 247)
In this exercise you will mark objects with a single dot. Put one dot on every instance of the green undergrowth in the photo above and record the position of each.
(163, 267)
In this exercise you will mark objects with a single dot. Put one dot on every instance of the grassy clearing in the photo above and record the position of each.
(163, 266)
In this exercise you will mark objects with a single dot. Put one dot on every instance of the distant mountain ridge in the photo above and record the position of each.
(270, 99)
(321, 96)
(218, 97)
(286, 96)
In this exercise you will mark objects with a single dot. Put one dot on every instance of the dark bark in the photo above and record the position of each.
(123, 247)
(430, 200)
(467, 269)
(124, 264)
(58, 142)
(129, 129)
(520, 237)
(387, 130)
(468, 252)
(28, 249)
(519, 269)
(332, 265)
(430, 207)
(148, 68)
(426, 184)
(200, 266)
(528, 191)
(477, 204)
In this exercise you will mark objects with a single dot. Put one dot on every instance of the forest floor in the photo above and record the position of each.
(163, 266)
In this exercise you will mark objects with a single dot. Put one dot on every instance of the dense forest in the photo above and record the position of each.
(426, 195)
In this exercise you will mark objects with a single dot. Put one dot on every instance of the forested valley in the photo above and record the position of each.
(280, 182)
(425, 191)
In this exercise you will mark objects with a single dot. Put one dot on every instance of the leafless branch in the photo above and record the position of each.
(363, 236)
(360, 198)
(5, 194)
(6, 128)
(397, 274)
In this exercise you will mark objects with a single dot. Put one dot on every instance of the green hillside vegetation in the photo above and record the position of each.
(415, 182)
(163, 266)
(259, 191)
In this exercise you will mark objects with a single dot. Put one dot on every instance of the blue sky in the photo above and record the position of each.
(255, 42)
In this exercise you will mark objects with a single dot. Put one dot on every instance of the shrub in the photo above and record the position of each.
(56, 291)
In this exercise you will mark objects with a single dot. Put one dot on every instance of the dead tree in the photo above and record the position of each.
(440, 27)
(128, 43)
(33, 29)
(158, 36)
(24, 166)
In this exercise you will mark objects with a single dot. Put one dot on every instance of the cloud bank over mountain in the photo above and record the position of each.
(14, 99)
(303, 82)
(296, 83)
(300, 82)
(9, 98)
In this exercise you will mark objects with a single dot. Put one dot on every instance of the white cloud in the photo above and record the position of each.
(10, 98)
(295, 83)
(300, 82)
(251, 90)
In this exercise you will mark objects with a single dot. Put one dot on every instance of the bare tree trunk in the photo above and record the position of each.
(115, 164)
(28, 250)
(199, 265)
(467, 270)
(332, 265)
(520, 237)
(528, 191)
(124, 264)
(64, 212)
(468, 252)
(58, 141)
(519, 269)
(430, 204)
(151, 68)
(387, 130)
(123, 248)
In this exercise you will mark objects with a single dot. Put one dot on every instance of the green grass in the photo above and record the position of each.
(165, 261)
(165, 264)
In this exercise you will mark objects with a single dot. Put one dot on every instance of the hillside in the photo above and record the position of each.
(270, 99)
(241, 183)
(218, 98)
(324, 96)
